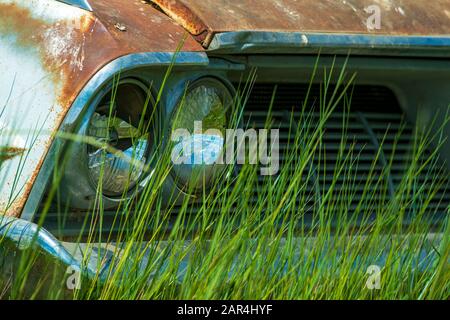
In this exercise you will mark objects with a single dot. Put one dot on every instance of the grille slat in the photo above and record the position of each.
(381, 111)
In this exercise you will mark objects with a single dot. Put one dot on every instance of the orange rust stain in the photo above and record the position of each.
(85, 47)
(94, 41)
(16, 209)
(37, 34)
(66, 73)
(183, 15)
(399, 17)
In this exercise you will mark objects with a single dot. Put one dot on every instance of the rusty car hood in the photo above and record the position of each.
(206, 18)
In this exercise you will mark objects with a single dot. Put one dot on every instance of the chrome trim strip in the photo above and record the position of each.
(122, 64)
(83, 4)
(25, 234)
(298, 42)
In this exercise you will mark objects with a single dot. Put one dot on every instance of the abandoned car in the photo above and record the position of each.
(62, 62)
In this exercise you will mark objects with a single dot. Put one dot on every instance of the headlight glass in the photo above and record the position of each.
(119, 121)
(207, 102)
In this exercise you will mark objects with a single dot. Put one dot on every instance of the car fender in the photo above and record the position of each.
(49, 50)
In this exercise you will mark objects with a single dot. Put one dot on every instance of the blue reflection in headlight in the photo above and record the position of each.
(198, 149)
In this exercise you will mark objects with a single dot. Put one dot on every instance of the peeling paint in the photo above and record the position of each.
(418, 17)
(304, 39)
(182, 14)
(48, 51)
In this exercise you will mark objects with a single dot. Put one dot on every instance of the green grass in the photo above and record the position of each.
(237, 246)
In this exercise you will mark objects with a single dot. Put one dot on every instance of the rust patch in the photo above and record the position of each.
(183, 15)
(71, 52)
(398, 17)
(60, 46)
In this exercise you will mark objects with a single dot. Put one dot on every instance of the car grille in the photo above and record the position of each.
(374, 119)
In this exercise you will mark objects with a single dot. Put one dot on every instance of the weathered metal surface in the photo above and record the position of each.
(397, 17)
(250, 42)
(48, 52)
(146, 29)
(182, 14)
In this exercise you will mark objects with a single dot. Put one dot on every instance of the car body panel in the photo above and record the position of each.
(398, 17)
(48, 52)
(56, 54)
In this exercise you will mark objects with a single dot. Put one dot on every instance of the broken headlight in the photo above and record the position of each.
(198, 131)
(113, 162)
(117, 160)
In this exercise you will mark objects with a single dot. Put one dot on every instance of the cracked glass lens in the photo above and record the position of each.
(202, 113)
(117, 159)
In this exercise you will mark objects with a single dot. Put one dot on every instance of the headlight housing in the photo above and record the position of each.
(120, 123)
(206, 106)
(114, 162)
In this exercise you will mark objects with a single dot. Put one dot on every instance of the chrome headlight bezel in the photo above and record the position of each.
(77, 188)
(140, 90)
